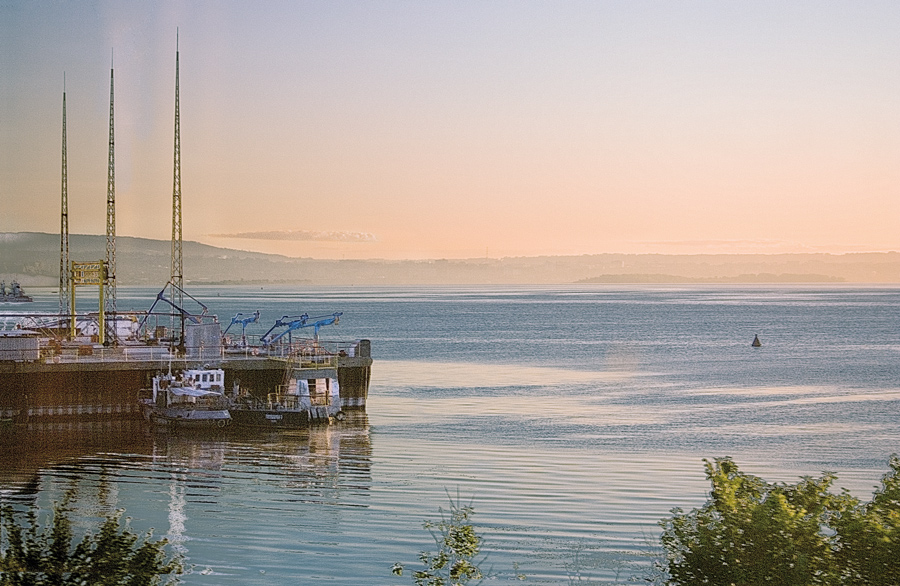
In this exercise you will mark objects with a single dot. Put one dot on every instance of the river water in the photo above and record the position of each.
(573, 418)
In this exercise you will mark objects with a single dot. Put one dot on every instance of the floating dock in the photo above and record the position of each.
(89, 382)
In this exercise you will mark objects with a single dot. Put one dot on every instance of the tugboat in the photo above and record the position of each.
(13, 294)
(193, 398)
(296, 405)
(310, 394)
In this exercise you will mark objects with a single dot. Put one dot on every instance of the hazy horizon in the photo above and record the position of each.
(400, 130)
(472, 258)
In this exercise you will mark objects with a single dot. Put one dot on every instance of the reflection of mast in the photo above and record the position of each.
(107, 492)
(177, 516)
(64, 309)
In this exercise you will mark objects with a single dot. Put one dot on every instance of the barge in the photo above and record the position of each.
(311, 393)
(42, 380)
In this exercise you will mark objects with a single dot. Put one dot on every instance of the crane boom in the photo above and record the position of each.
(244, 323)
(161, 296)
(297, 323)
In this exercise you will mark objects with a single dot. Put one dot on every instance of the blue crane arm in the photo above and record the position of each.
(327, 321)
(244, 322)
(301, 322)
(281, 322)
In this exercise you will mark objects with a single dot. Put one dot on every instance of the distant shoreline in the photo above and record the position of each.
(32, 258)
(747, 279)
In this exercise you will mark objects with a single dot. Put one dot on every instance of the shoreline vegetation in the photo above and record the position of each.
(753, 532)
(38, 549)
(749, 532)
(32, 258)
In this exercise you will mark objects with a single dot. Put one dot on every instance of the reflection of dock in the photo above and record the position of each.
(314, 458)
(26, 450)
(92, 381)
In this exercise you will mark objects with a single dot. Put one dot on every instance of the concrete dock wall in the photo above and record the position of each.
(108, 389)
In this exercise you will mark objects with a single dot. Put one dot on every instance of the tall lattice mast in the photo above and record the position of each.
(64, 309)
(177, 277)
(109, 293)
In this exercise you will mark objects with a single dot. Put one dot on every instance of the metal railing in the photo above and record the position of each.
(306, 353)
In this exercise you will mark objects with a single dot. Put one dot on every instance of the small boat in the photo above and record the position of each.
(310, 393)
(298, 404)
(756, 343)
(192, 398)
(13, 293)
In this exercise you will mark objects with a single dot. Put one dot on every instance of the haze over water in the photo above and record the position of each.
(574, 417)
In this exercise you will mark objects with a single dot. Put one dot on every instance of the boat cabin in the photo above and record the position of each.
(206, 379)
(193, 386)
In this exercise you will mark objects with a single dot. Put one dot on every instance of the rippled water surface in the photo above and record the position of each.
(574, 418)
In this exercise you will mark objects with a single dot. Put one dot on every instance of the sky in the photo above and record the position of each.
(461, 129)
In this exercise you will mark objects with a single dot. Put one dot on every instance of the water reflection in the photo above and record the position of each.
(27, 450)
(129, 451)
(235, 506)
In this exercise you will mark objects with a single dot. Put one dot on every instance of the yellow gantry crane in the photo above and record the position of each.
(91, 273)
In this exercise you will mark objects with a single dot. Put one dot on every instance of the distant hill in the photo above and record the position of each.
(139, 261)
(33, 259)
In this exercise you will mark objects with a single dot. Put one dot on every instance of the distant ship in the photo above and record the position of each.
(13, 293)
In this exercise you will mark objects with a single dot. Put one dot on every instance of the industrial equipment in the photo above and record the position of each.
(295, 323)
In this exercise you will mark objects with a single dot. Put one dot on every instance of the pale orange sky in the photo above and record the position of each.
(463, 129)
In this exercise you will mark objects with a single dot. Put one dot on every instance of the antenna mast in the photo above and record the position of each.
(177, 279)
(109, 285)
(64, 309)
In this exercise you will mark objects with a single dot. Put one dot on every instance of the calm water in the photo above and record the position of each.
(574, 418)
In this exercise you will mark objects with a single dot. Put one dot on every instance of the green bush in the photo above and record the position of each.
(868, 548)
(458, 545)
(751, 532)
(114, 556)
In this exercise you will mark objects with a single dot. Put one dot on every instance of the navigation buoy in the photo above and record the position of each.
(756, 343)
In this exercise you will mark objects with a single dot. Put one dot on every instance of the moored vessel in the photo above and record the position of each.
(310, 393)
(302, 402)
(193, 398)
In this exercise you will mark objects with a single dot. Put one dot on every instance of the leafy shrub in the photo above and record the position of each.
(751, 532)
(114, 556)
(458, 545)
(869, 535)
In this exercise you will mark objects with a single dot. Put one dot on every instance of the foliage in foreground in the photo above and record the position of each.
(458, 546)
(114, 556)
(751, 532)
